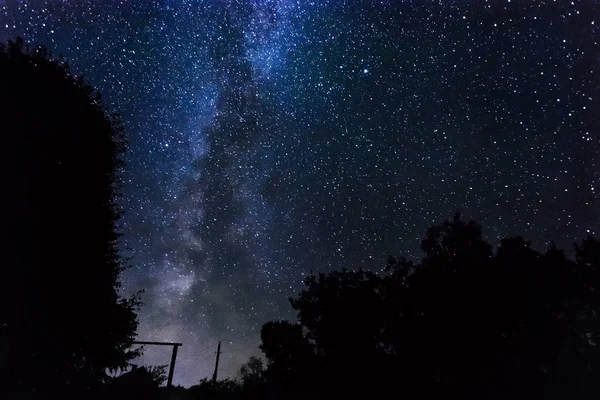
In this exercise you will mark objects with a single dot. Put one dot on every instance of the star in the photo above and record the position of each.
(256, 154)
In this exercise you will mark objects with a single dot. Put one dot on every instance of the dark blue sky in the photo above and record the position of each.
(271, 138)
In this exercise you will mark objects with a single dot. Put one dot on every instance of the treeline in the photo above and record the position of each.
(465, 322)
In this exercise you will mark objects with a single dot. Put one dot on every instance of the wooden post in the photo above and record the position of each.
(173, 356)
(172, 366)
(217, 363)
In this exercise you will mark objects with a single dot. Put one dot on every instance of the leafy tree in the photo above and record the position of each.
(62, 321)
(288, 352)
(464, 322)
(252, 372)
(253, 378)
(340, 313)
(158, 373)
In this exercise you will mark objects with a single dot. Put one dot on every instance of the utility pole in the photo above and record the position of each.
(217, 363)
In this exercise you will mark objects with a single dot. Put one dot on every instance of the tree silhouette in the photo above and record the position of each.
(62, 322)
(158, 373)
(253, 379)
(252, 372)
(465, 322)
(288, 353)
(225, 389)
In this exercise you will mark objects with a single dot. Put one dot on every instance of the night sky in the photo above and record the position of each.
(271, 138)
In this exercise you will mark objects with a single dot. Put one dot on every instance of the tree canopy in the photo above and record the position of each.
(62, 321)
(465, 322)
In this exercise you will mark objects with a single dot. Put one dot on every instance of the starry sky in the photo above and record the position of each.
(269, 138)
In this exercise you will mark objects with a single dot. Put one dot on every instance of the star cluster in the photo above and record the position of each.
(268, 138)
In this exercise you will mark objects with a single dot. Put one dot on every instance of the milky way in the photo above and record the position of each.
(271, 138)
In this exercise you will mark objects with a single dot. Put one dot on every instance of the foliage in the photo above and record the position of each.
(464, 322)
(62, 321)
(220, 390)
(252, 372)
(158, 373)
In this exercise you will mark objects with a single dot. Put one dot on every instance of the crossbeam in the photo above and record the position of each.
(158, 343)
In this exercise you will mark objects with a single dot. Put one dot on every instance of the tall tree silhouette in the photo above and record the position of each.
(62, 321)
(253, 380)
(288, 352)
(252, 372)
